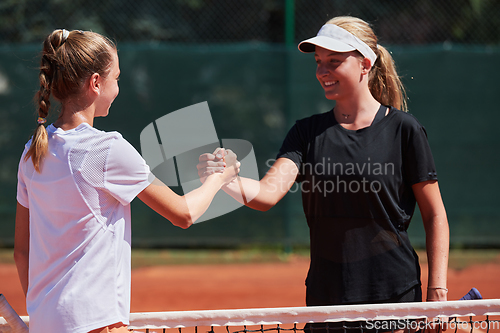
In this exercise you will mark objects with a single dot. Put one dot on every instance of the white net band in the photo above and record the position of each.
(291, 315)
(273, 316)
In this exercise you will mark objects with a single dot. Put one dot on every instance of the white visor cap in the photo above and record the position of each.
(334, 38)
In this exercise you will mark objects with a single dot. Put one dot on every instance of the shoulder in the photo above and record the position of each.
(315, 119)
(405, 118)
(405, 121)
(82, 133)
(314, 124)
(91, 143)
(117, 147)
(410, 130)
(103, 135)
(303, 132)
(99, 138)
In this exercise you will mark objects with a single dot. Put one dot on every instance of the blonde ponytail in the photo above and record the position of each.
(385, 84)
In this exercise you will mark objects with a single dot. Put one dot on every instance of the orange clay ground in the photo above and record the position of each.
(279, 283)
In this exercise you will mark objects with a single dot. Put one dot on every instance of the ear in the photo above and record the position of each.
(366, 66)
(95, 83)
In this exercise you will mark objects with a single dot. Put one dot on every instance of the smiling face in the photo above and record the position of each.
(109, 88)
(339, 73)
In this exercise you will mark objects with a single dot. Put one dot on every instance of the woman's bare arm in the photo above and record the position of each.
(437, 237)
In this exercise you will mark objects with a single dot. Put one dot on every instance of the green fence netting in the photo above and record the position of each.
(255, 92)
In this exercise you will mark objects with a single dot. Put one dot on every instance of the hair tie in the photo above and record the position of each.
(65, 35)
(41, 120)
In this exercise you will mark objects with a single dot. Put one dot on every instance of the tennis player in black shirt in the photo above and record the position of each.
(362, 167)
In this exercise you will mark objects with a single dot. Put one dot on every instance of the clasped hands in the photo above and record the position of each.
(218, 162)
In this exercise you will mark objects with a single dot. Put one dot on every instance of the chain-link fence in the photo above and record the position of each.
(210, 21)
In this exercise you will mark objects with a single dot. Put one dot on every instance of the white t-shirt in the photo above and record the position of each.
(79, 208)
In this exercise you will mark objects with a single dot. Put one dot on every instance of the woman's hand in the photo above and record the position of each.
(231, 169)
(216, 162)
(211, 163)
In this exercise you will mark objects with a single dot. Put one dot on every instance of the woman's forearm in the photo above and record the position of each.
(252, 193)
(264, 194)
(437, 237)
(437, 246)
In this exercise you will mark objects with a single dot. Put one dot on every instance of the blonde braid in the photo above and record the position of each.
(48, 67)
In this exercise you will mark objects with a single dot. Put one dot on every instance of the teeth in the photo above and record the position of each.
(330, 83)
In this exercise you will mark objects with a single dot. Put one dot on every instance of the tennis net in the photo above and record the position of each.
(479, 316)
(456, 316)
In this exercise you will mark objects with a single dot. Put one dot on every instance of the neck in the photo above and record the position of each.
(356, 114)
(73, 115)
(356, 110)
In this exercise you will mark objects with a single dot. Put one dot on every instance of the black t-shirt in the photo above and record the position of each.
(358, 202)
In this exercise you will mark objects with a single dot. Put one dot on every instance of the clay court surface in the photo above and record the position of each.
(239, 284)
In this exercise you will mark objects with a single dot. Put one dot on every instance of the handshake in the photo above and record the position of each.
(236, 191)
(223, 161)
(174, 144)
